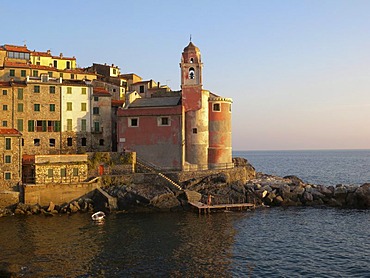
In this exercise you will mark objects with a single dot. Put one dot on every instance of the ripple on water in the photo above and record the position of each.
(297, 242)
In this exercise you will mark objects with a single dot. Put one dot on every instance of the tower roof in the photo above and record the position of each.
(190, 47)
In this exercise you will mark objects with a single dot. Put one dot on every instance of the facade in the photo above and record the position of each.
(11, 158)
(41, 115)
(60, 169)
(18, 62)
(76, 116)
(183, 130)
(101, 120)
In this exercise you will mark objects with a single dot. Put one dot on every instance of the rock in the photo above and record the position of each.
(35, 209)
(284, 188)
(317, 195)
(238, 187)
(333, 203)
(278, 200)
(340, 194)
(51, 206)
(307, 197)
(298, 190)
(75, 203)
(295, 180)
(266, 188)
(22, 207)
(290, 203)
(73, 208)
(327, 191)
(192, 196)
(360, 198)
(19, 211)
(165, 201)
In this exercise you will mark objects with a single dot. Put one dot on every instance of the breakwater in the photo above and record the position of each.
(240, 185)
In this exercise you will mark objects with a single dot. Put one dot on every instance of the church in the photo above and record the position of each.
(178, 130)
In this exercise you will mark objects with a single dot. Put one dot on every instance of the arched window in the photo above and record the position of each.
(191, 60)
(191, 73)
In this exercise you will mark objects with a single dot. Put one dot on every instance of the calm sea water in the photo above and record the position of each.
(295, 242)
(326, 167)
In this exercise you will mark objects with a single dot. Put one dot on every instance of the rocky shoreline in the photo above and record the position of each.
(260, 189)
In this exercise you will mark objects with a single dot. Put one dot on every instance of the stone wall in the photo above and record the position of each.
(235, 174)
(48, 168)
(12, 168)
(111, 163)
(43, 194)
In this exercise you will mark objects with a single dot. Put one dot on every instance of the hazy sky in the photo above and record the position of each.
(298, 71)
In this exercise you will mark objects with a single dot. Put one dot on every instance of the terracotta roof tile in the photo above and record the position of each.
(101, 92)
(16, 48)
(63, 58)
(117, 102)
(9, 131)
(39, 53)
(12, 64)
(5, 84)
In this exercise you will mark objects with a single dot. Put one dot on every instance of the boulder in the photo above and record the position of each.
(51, 206)
(35, 209)
(278, 200)
(327, 191)
(298, 190)
(340, 194)
(307, 197)
(192, 196)
(165, 201)
(361, 197)
(294, 179)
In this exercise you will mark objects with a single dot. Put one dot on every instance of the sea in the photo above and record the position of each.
(268, 242)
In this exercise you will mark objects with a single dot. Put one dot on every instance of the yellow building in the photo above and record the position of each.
(46, 59)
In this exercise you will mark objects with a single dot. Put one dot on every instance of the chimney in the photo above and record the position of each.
(61, 55)
(48, 51)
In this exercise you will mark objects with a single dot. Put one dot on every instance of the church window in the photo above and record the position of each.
(216, 107)
(195, 130)
(191, 73)
(191, 60)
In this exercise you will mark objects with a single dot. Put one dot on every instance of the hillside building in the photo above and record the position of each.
(11, 158)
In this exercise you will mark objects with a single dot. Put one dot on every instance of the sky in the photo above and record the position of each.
(298, 71)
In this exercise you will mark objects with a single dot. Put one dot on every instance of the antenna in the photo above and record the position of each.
(190, 37)
(24, 42)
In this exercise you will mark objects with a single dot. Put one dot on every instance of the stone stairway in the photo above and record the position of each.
(153, 169)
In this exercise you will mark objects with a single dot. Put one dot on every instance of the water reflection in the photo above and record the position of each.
(167, 245)
(58, 246)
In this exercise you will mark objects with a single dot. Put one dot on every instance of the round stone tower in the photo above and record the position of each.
(220, 145)
(195, 103)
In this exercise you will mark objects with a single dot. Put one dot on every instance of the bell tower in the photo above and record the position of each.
(191, 76)
(195, 105)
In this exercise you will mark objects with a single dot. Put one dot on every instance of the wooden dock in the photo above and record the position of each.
(208, 208)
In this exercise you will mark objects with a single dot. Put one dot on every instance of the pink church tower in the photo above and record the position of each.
(195, 105)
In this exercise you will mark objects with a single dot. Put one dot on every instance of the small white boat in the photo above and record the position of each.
(98, 216)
